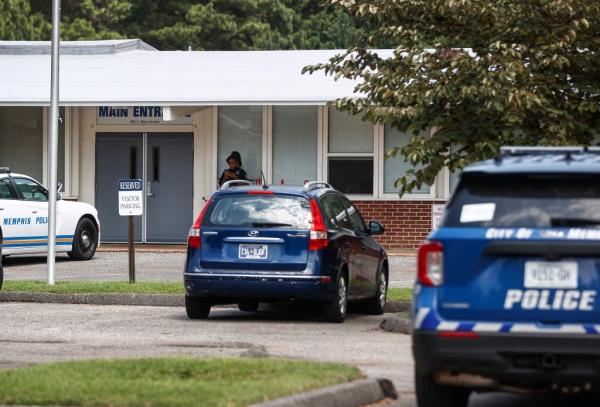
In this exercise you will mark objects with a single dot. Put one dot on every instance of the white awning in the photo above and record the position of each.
(173, 78)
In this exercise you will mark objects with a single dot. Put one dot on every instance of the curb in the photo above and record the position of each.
(149, 300)
(157, 300)
(354, 394)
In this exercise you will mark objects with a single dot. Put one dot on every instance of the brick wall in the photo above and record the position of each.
(406, 223)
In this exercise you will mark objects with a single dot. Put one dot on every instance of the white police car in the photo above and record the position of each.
(24, 220)
(507, 290)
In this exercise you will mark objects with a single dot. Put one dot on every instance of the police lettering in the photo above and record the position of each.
(558, 300)
(16, 221)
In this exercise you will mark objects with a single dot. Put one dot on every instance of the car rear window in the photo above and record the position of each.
(280, 211)
(525, 200)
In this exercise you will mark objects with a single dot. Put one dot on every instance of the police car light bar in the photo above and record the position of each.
(4, 170)
(507, 151)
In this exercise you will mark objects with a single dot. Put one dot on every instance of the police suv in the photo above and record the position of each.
(507, 291)
(24, 220)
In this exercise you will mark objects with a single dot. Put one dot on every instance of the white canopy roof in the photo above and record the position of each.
(172, 78)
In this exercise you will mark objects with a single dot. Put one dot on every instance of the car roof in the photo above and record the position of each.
(276, 189)
(549, 161)
(12, 174)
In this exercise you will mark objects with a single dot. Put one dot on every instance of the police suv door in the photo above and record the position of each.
(15, 219)
(35, 197)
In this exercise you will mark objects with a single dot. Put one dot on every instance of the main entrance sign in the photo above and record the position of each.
(135, 115)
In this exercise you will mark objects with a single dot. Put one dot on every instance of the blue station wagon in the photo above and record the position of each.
(507, 290)
(254, 243)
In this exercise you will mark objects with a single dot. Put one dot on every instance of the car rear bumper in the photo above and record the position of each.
(230, 287)
(519, 360)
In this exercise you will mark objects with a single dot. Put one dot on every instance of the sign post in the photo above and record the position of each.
(130, 205)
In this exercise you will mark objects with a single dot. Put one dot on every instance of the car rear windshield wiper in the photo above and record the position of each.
(573, 221)
(269, 224)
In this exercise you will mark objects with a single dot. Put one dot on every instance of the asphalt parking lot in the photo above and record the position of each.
(150, 266)
(38, 333)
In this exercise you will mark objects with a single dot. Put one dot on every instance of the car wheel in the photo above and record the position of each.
(248, 306)
(431, 394)
(85, 240)
(376, 305)
(196, 308)
(335, 309)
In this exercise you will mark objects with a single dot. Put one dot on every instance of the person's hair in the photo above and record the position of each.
(236, 156)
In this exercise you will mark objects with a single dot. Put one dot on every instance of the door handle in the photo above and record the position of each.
(149, 189)
(364, 248)
(347, 244)
(34, 211)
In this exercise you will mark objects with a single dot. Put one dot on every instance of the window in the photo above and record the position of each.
(6, 190)
(525, 200)
(21, 140)
(358, 223)
(396, 167)
(240, 129)
(334, 211)
(31, 190)
(295, 137)
(350, 153)
(289, 212)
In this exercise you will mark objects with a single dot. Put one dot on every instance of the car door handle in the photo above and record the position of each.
(34, 211)
(364, 248)
(347, 244)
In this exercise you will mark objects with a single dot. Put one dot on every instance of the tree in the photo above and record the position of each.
(530, 76)
(18, 23)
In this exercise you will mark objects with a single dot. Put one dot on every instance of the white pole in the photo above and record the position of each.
(53, 141)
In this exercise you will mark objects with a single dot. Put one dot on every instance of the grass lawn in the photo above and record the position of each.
(145, 287)
(399, 294)
(167, 381)
(84, 287)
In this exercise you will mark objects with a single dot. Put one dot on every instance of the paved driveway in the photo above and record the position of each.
(164, 266)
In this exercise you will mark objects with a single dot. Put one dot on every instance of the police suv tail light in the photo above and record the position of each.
(318, 233)
(431, 263)
(194, 234)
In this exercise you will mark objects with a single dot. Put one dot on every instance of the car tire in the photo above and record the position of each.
(376, 305)
(248, 306)
(335, 309)
(85, 240)
(431, 394)
(196, 308)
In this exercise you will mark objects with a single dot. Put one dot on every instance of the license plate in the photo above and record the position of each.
(253, 251)
(551, 274)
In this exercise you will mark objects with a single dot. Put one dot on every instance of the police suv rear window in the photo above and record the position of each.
(255, 211)
(525, 200)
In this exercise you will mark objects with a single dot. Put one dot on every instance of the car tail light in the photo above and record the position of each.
(431, 263)
(194, 235)
(318, 233)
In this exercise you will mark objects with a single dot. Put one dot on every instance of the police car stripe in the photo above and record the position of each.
(487, 327)
(428, 320)
(533, 328)
(421, 314)
(6, 239)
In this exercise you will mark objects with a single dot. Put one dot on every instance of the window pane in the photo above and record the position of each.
(240, 129)
(6, 191)
(21, 132)
(396, 167)
(286, 212)
(349, 134)
(30, 190)
(294, 144)
(351, 175)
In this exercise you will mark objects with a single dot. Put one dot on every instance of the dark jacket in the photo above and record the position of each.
(239, 173)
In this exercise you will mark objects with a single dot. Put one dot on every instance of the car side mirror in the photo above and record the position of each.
(59, 187)
(376, 228)
(58, 196)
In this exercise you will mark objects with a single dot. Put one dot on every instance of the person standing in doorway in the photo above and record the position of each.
(235, 170)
